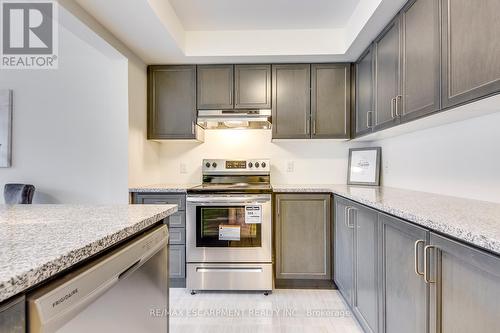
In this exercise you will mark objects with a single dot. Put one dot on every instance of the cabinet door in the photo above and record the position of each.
(291, 110)
(387, 49)
(172, 102)
(365, 301)
(364, 93)
(330, 100)
(177, 261)
(471, 46)
(215, 87)
(343, 252)
(303, 236)
(421, 59)
(404, 292)
(252, 86)
(467, 289)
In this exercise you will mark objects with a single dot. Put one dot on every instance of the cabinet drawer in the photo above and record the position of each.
(177, 236)
(161, 199)
(177, 220)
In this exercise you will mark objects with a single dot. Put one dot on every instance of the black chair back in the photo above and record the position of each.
(18, 193)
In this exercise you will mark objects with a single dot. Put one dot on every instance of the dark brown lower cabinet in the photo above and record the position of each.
(465, 288)
(404, 293)
(356, 260)
(177, 233)
(415, 280)
(303, 237)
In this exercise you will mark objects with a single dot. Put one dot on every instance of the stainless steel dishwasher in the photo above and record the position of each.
(124, 291)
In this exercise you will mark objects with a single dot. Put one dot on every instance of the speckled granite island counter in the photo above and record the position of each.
(472, 221)
(39, 241)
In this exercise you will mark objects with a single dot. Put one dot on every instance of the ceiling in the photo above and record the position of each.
(244, 31)
(263, 14)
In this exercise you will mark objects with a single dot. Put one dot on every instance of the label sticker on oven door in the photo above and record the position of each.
(229, 232)
(253, 214)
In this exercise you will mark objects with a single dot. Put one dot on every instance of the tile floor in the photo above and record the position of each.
(283, 311)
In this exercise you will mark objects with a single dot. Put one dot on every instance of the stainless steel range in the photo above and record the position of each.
(228, 227)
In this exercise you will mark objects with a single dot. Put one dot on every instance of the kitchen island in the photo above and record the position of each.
(39, 242)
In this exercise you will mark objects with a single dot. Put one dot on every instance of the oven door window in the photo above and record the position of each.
(224, 226)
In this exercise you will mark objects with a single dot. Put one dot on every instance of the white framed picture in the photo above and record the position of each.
(364, 166)
(5, 127)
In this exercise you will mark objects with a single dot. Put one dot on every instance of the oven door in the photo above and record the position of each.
(228, 228)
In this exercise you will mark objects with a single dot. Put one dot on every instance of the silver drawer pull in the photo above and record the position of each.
(427, 251)
(417, 243)
(229, 269)
(393, 100)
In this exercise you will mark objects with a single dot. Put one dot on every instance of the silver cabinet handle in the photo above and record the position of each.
(308, 123)
(398, 98)
(369, 119)
(348, 220)
(192, 127)
(314, 126)
(346, 208)
(427, 278)
(392, 107)
(417, 243)
(347, 217)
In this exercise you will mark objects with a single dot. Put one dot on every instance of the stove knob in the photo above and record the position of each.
(263, 164)
(214, 165)
(207, 165)
(250, 164)
(256, 164)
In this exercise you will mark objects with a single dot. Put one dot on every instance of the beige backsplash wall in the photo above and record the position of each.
(459, 159)
(315, 161)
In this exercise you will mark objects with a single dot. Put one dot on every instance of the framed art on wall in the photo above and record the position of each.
(364, 166)
(5, 127)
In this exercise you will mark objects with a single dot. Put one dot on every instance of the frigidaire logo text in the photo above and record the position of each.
(29, 34)
(65, 297)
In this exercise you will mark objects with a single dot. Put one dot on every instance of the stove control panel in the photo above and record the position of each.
(236, 166)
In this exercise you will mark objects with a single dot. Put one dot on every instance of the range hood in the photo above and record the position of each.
(234, 119)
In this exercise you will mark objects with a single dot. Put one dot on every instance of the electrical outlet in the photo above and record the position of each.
(290, 166)
(183, 168)
(386, 168)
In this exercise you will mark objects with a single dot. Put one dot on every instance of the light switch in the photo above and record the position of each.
(183, 168)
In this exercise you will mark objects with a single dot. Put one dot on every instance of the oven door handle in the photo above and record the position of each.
(227, 201)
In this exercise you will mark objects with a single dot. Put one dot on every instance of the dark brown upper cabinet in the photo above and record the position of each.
(291, 109)
(215, 87)
(311, 101)
(420, 59)
(364, 86)
(471, 46)
(252, 86)
(172, 102)
(330, 101)
(387, 76)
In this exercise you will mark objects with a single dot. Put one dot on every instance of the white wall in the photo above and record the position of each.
(70, 125)
(315, 161)
(143, 155)
(144, 158)
(460, 159)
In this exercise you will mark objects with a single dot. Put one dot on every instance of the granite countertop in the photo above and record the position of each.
(472, 221)
(174, 188)
(39, 241)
